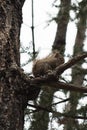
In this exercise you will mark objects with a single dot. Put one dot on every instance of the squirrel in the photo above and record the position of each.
(47, 64)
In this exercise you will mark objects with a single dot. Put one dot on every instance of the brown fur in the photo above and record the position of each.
(43, 66)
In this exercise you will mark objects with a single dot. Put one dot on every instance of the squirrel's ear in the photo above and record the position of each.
(56, 55)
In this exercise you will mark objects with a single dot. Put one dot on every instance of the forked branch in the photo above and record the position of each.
(51, 78)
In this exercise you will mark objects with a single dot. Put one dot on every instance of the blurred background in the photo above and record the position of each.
(61, 25)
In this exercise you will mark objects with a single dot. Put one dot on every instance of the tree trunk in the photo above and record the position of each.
(11, 104)
(63, 19)
(77, 73)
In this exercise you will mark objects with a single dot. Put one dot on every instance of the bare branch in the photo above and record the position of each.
(57, 114)
(34, 83)
(59, 70)
(57, 84)
(39, 108)
(64, 100)
(51, 78)
(70, 87)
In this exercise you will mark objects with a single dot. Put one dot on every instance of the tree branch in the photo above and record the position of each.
(57, 114)
(32, 84)
(58, 85)
(51, 78)
(60, 69)
(70, 87)
(64, 100)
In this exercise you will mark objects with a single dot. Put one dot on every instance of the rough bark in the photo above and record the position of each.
(13, 94)
(11, 109)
